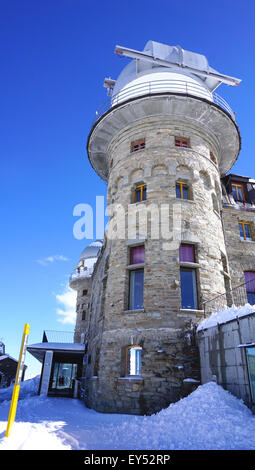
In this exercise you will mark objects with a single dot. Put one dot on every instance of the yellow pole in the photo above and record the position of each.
(16, 388)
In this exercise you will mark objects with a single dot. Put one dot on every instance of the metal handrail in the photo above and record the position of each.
(238, 296)
(81, 272)
(161, 86)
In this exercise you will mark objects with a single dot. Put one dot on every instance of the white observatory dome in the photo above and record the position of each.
(160, 68)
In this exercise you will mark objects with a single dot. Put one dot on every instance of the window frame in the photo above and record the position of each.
(140, 187)
(140, 143)
(238, 185)
(190, 245)
(131, 304)
(182, 140)
(182, 183)
(128, 368)
(195, 287)
(249, 225)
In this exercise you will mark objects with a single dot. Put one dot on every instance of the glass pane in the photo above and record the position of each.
(178, 190)
(240, 193)
(185, 191)
(241, 231)
(144, 193)
(136, 290)
(234, 193)
(138, 195)
(135, 356)
(137, 255)
(63, 376)
(187, 253)
(188, 289)
(247, 232)
(251, 366)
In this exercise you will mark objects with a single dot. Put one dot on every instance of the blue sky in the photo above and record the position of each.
(55, 55)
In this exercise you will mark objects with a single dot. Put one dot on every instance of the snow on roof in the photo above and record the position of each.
(226, 315)
(62, 346)
(5, 356)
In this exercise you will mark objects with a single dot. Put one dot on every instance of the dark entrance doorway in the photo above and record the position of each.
(63, 375)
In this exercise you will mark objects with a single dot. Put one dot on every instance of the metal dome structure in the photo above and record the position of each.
(91, 251)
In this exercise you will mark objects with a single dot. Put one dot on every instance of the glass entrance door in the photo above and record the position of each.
(63, 377)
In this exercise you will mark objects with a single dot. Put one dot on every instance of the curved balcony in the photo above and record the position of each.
(80, 273)
(179, 87)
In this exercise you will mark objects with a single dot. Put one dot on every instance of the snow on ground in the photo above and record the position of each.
(227, 314)
(209, 418)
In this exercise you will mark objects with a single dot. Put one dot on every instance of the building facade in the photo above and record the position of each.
(180, 230)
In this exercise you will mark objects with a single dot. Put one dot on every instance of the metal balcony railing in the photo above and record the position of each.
(163, 86)
(81, 273)
(238, 297)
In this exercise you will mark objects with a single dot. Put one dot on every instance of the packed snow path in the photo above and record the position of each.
(209, 418)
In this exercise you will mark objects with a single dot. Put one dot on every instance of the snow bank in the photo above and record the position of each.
(209, 418)
(229, 313)
(27, 388)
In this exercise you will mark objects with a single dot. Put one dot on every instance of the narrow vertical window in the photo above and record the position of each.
(250, 354)
(182, 190)
(188, 289)
(249, 277)
(245, 231)
(134, 360)
(136, 281)
(139, 193)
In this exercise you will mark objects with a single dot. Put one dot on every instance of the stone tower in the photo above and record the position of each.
(162, 145)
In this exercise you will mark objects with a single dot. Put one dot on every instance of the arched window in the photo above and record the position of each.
(133, 360)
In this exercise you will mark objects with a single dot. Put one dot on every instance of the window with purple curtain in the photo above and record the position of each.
(249, 277)
(187, 253)
(137, 255)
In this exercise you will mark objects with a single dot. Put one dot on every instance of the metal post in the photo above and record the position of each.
(19, 373)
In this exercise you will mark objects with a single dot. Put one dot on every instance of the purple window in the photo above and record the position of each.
(249, 277)
(187, 253)
(137, 255)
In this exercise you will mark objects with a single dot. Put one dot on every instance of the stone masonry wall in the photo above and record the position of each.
(161, 327)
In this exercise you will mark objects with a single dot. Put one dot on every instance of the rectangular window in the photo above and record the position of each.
(187, 253)
(84, 292)
(83, 315)
(137, 145)
(249, 277)
(136, 289)
(250, 353)
(134, 360)
(188, 289)
(238, 192)
(181, 142)
(182, 190)
(139, 193)
(137, 254)
(245, 231)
